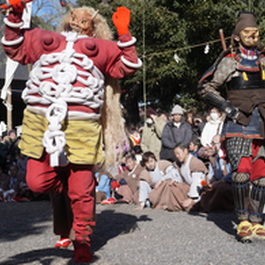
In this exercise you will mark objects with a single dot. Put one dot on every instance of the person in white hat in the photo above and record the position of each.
(176, 131)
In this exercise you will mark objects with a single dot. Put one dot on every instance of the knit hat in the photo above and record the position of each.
(244, 20)
(177, 110)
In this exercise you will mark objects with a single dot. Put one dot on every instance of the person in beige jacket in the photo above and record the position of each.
(151, 176)
(152, 132)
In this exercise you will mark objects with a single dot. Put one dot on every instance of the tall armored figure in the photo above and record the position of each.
(242, 69)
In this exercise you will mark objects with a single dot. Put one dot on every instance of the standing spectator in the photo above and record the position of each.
(195, 121)
(212, 127)
(175, 131)
(152, 132)
(244, 131)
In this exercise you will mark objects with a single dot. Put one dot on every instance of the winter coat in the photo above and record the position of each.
(151, 137)
(173, 135)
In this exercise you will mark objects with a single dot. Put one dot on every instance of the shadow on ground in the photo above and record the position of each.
(43, 256)
(224, 220)
(17, 224)
(111, 224)
(19, 219)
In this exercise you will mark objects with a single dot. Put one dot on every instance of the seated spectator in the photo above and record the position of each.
(103, 189)
(21, 162)
(151, 176)
(128, 181)
(217, 194)
(138, 152)
(12, 188)
(4, 186)
(182, 193)
(18, 184)
(194, 146)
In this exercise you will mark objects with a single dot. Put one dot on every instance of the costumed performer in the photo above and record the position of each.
(62, 133)
(241, 68)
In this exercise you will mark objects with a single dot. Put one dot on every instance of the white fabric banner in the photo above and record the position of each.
(11, 66)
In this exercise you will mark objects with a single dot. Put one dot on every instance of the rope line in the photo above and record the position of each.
(184, 48)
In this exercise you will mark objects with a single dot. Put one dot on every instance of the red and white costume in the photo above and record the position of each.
(66, 83)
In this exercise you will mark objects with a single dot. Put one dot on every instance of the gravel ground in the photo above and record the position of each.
(125, 236)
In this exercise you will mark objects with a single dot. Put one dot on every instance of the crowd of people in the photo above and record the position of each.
(176, 164)
(13, 168)
(151, 164)
(13, 185)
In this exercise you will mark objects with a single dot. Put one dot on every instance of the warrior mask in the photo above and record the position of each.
(249, 37)
(246, 30)
(81, 22)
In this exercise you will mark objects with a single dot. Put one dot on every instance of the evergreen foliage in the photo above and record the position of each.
(163, 28)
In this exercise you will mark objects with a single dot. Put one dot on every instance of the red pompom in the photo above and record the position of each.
(204, 182)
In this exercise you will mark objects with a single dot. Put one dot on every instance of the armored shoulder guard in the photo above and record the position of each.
(210, 95)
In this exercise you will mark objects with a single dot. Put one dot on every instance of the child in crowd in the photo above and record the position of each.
(103, 189)
(194, 146)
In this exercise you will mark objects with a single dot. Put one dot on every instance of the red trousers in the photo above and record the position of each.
(41, 178)
(255, 169)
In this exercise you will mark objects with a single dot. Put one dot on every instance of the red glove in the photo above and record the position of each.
(17, 5)
(121, 20)
(114, 184)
